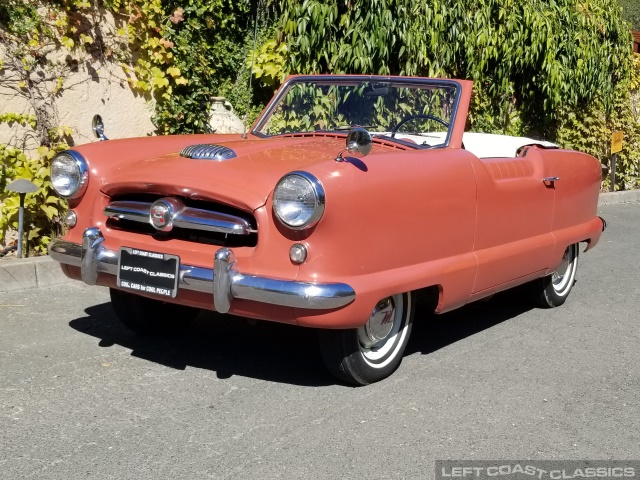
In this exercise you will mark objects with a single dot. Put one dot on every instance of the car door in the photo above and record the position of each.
(514, 239)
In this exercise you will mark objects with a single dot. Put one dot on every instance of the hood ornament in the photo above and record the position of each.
(359, 143)
(208, 151)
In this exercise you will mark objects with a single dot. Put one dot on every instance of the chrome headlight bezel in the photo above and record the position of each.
(315, 187)
(82, 172)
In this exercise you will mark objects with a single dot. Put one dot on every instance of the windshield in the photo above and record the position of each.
(411, 111)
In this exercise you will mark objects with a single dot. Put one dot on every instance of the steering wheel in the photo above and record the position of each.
(426, 116)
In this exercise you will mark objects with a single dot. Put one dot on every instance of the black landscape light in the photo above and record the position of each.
(21, 186)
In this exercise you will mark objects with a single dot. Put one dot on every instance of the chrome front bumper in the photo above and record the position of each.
(223, 281)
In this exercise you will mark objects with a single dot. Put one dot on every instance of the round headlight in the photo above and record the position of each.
(298, 200)
(69, 174)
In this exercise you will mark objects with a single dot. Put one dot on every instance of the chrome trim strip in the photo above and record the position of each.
(198, 219)
(189, 218)
(224, 281)
(134, 211)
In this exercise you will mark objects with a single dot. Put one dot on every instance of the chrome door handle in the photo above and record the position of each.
(550, 179)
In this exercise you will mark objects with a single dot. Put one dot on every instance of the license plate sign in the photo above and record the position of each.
(148, 272)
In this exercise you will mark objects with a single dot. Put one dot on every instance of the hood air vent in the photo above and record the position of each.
(208, 151)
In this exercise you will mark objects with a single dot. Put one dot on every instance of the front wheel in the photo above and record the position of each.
(148, 316)
(553, 290)
(368, 354)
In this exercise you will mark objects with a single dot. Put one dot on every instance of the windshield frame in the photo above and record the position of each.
(347, 80)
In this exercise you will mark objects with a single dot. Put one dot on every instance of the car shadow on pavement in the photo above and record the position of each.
(229, 345)
(432, 332)
(224, 344)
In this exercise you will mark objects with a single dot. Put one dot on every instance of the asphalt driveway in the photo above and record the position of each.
(82, 397)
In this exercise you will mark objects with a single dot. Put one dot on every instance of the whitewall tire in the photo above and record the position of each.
(374, 351)
(553, 290)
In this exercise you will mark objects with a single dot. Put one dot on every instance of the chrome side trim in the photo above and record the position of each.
(197, 219)
(224, 281)
(187, 217)
(134, 211)
(207, 151)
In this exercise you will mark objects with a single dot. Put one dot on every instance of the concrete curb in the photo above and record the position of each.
(38, 272)
(27, 273)
(613, 198)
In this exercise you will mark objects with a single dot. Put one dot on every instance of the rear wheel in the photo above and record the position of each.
(149, 316)
(368, 354)
(552, 290)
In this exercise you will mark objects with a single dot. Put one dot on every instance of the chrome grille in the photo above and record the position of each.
(195, 221)
(208, 151)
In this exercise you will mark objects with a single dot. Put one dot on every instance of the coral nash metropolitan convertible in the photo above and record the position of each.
(348, 197)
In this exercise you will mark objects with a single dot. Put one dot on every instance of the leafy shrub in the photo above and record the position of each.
(43, 209)
(589, 129)
(192, 52)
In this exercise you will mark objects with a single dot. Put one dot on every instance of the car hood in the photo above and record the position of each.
(154, 165)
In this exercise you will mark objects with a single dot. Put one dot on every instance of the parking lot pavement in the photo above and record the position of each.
(81, 397)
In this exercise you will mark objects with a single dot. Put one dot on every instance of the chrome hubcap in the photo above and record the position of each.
(561, 271)
(562, 278)
(379, 325)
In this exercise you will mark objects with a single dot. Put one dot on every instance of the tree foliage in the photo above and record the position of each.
(589, 129)
(191, 52)
(208, 41)
(537, 54)
(631, 12)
